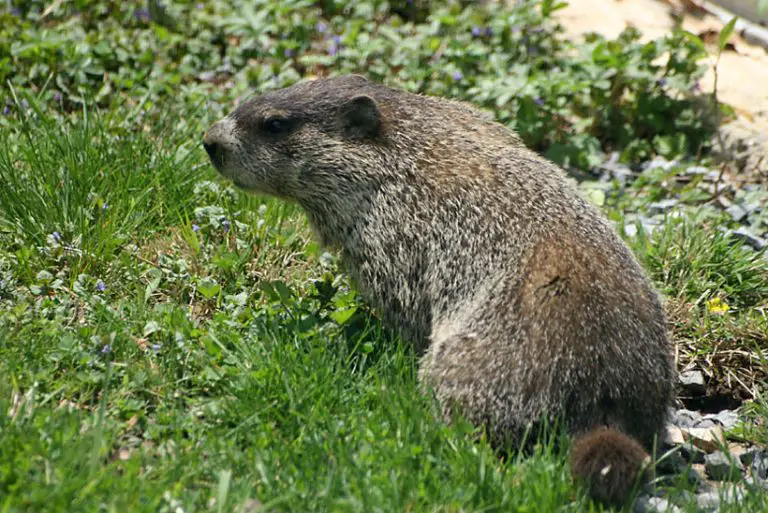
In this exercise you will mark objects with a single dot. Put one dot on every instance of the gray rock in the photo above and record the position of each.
(697, 170)
(658, 163)
(630, 230)
(741, 234)
(692, 382)
(755, 484)
(748, 456)
(662, 207)
(706, 423)
(737, 213)
(712, 499)
(648, 224)
(671, 463)
(722, 467)
(759, 466)
(691, 453)
(726, 418)
(751, 207)
(646, 504)
(712, 176)
(693, 477)
(708, 501)
(619, 172)
(207, 76)
(685, 418)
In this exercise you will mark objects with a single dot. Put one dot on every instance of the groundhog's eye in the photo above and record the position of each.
(276, 125)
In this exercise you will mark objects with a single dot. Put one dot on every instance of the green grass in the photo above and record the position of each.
(221, 366)
(189, 346)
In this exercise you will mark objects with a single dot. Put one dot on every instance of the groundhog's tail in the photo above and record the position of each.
(609, 463)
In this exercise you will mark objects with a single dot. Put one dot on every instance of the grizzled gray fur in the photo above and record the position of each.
(519, 296)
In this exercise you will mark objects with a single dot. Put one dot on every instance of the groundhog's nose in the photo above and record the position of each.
(214, 149)
(219, 140)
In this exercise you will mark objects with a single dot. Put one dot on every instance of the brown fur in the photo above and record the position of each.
(519, 296)
(607, 462)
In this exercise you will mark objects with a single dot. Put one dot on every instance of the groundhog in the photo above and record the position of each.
(523, 304)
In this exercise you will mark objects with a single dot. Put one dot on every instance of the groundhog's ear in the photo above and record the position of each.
(361, 117)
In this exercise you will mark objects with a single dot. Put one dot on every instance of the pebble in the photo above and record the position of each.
(619, 172)
(708, 501)
(706, 439)
(706, 423)
(737, 213)
(673, 435)
(207, 76)
(726, 418)
(711, 499)
(759, 466)
(685, 418)
(658, 163)
(697, 170)
(722, 467)
(662, 207)
(704, 432)
(694, 475)
(693, 382)
(648, 224)
(712, 176)
(741, 234)
(747, 457)
(646, 504)
(691, 453)
(671, 463)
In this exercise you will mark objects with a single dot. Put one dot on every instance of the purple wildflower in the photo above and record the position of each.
(101, 286)
(288, 52)
(457, 75)
(156, 347)
(6, 110)
(476, 31)
(15, 11)
(106, 349)
(200, 5)
(696, 86)
(56, 236)
(321, 27)
(333, 50)
(539, 101)
(336, 39)
(142, 15)
(488, 31)
(195, 228)
(226, 224)
(662, 82)
(56, 96)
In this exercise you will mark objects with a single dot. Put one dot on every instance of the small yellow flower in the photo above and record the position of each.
(717, 306)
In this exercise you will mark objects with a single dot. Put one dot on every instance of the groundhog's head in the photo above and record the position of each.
(312, 138)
